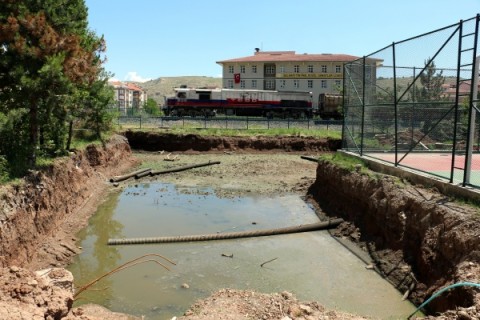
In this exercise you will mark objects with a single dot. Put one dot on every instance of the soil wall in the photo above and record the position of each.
(154, 141)
(32, 211)
(418, 238)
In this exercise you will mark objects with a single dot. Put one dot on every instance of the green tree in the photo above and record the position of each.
(151, 107)
(430, 93)
(99, 97)
(432, 81)
(47, 54)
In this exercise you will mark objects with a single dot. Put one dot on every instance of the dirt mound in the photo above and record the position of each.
(154, 141)
(24, 294)
(231, 304)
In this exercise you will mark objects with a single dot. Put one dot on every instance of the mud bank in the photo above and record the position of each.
(417, 237)
(154, 141)
(32, 213)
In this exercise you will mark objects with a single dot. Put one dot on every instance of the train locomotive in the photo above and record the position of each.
(209, 102)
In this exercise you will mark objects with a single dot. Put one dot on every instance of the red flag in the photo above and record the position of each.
(236, 76)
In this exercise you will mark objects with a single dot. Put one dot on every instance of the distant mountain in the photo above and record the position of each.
(162, 87)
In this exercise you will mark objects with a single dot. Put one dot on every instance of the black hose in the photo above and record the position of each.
(309, 158)
(230, 235)
(177, 169)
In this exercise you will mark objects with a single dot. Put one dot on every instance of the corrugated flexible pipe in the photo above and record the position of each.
(230, 235)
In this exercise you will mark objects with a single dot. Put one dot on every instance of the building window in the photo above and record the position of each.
(242, 69)
(254, 69)
(230, 84)
(296, 68)
(254, 84)
(269, 85)
(310, 83)
(338, 69)
(368, 72)
(270, 69)
(310, 68)
(296, 84)
(230, 69)
(282, 69)
(338, 83)
(324, 84)
(324, 68)
(242, 84)
(283, 84)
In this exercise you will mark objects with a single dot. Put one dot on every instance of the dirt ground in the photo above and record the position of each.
(241, 171)
(238, 173)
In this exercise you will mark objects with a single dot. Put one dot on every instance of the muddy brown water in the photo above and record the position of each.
(313, 265)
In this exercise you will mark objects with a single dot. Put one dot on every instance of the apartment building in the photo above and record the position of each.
(286, 71)
(128, 95)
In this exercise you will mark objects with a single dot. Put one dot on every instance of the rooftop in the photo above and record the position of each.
(289, 56)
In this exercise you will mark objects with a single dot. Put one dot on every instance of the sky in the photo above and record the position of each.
(150, 39)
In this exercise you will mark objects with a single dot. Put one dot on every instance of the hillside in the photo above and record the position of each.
(161, 87)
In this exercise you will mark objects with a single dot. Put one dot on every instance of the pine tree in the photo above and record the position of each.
(46, 54)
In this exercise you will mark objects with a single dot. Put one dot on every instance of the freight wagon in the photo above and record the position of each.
(329, 106)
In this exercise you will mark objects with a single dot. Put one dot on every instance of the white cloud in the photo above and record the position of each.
(133, 76)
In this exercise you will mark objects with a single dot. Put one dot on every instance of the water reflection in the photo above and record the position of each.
(311, 265)
(101, 227)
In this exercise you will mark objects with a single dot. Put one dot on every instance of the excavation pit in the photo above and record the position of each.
(311, 265)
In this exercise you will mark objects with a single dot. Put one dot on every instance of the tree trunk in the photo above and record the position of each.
(70, 134)
(32, 152)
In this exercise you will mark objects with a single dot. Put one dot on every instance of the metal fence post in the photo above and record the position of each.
(395, 101)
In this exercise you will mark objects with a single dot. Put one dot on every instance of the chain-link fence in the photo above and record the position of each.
(239, 123)
(414, 104)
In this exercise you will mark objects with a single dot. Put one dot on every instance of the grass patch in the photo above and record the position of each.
(292, 132)
(346, 162)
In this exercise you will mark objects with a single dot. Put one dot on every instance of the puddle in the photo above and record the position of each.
(312, 265)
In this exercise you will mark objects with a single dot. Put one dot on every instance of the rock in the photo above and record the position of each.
(185, 286)
(57, 277)
(306, 309)
(287, 295)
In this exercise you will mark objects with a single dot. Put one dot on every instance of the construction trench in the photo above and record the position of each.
(417, 238)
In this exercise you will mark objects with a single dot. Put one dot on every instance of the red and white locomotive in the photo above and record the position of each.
(209, 102)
